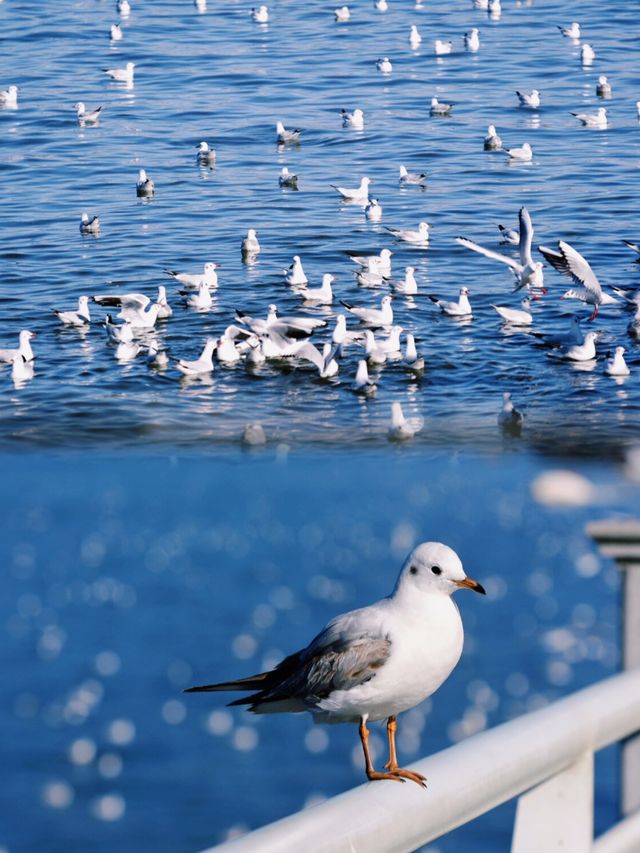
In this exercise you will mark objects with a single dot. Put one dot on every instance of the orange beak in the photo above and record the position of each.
(468, 583)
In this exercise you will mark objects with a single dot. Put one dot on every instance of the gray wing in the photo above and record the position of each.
(526, 237)
(488, 253)
(571, 263)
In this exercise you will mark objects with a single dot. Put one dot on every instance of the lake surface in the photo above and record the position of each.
(143, 550)
(220, 77)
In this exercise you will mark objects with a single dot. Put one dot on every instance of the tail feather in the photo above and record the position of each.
(252, 682)
(348, 305)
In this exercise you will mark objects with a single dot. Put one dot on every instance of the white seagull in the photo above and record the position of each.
(288, 179)
(414, 178)
(412, 358)
(384, 65)
(597, 119)
(115, 33)
(419, 237)
(492, 141)
(472, 40)
(373, 211)
(354, 119)
(415, 39)
(572, 31)
(358, 195)
(123, 8)
(118, 332)
(380, 263)
(295, 275)
(9, 98)
(375, 317)
(442, 48)
(570, 262)
(201, 300)
(89, 225)
(145, 187)
(342, 14)
(527, 273)
(136, 308)
(322, 295)
(80, 317)
(287, 137)
(438, 108)
(21, 370)
(408, 285)
(250, 244)
(516, 317)
(529, 99)
(603, 87)
(586, 351)
(203, 364)
(206, 155)
(524, 153)
(587, 54)
(23, 349)
(363, 384)
(260, 15)
(510, 418)
(122, 75)
(208, 275)
(87, 117)
(461, 308)
(401, 428)
(617, 366)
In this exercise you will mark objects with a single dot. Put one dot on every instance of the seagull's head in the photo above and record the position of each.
(492, 130)
(79, 106)
(386, 300)
(435, 568)
(464, 291)
(620, 351)
(385, 254)
(26, 335)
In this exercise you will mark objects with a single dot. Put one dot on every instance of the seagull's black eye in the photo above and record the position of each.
(413, 570)
(436, 570)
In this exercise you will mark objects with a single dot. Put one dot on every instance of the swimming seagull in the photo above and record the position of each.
(412, 358)
(442, 48)
(472, 40)
(79, 317)
(492, 141)
(603, 87)
(363, 384)
(510, 418)
(200, 300)
(206, 155)
(322, 295)
(375, 355)
(23, 350)
(342, 14)
(514, 316)
(415, 178)
(617, 366)
(203, 364)
(375, 317)
(285, 327)
(122, 75)
(572, 31)
(287, 137)
(115, 33)
(419, 237)
(354, 119)
(384, 65)
(401, 428)
(439, 109)
(375, 662)
(380, 263)
(208, 275)
(597, 119)
(529, 99)
(250, 245)
(494, 8)
(118, 333)
(587, 54)
(295, 274)
(373, 211)
(570, 262)
(21, 370)
(408, 285)
(586, 351)
(288, 179)
(89, 226)
(90, 117)
(527, 274)
(123, 8)
(523, 154)
(9, 98)
(324, 361)
(156, 357)
(136, 308)
(381, 5)
(165, 309)
(145, 187)
(415, 39)
(359, 195)
(127, 351)
(260, 15)
(509, 236)
(226, 351)
(461, 308)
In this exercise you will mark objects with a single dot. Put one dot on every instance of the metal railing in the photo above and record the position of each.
(545, 758)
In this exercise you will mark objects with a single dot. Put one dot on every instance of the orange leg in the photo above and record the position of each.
(392, 763)
(371, 773)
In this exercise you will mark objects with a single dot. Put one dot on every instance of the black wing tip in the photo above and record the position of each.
(346, 304)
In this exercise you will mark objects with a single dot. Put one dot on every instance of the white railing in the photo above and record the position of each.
(544, 758)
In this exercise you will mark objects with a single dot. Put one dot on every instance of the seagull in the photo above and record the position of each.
(495, 9)
(408, 286)
(359, 195)
(527, 274)
(260, 15)
(226, 351)
(254, 435)
(492, 141)
(412, 359)
(322, 295)
(572, 31)
(21, 370)
(157, 357)
(342, 14)
(127, 351)
(203, 364)
(254, 357)
(415, 178)
(200, 300)
(145, 186)
(380, 263)
(23, 350)
(369, 278)
(574, 336)
(375, 662)
(250, 244)
(381, 5)
(390, 345)
(285, 327)
(587, 54)
(324, 361)
(118, 333)
(409, 235)
(570, 262)
(586, 351)
(288, 179)
(295, 275)
(354, 119)
(341, 337)
(472, 40)
(115, 33)
(287, 137)
(514, 316)
(510, 418)
(363, 384)
(193, 280)
(123, 8)
(90, 117)
(375, 355)
(461, 308)
(373, 211)
(633, 246)
(9, 98)
(529, 99)
(439, 109)
(617, 366)
(524, 153)
(79, 317)
(401, 428)
(415, 39)
(384, 65)
(598, 119)
(442, 48)
(509, 236)
(135, 308)
(89, 226)
(375, 317)
(603, 87)
(122, 75)
(206, 155)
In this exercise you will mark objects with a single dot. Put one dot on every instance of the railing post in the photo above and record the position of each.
(558, 813)
(621, 540)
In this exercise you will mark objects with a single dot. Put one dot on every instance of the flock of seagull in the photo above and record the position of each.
(282, 340)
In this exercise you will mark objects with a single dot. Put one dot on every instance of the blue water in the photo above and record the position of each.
(142, 550)
(218, 76)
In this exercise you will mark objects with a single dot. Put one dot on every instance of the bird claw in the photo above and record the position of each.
(402, 774)
(374, 775)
